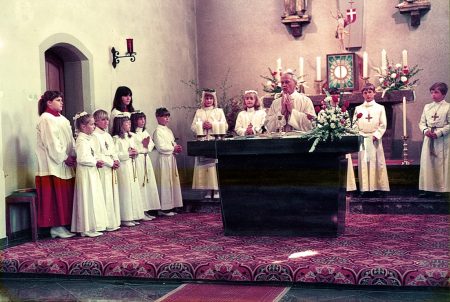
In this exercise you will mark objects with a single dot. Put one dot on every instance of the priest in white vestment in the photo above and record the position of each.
(435, 126)
(371, 124)
(292, 111)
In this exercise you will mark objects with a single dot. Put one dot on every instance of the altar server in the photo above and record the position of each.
(434, 123)
(291, 111)
(146, 175)
(107, 151)
(89, 209)
(55, 176)
(166, 170)
(131, 209)
(208, 120)
(371, 124)
(250, 121)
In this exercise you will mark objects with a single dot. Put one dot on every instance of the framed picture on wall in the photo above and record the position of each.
(342, 71)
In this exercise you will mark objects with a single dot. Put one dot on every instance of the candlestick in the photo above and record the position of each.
(383, 62)
(404, 117)
(365, 64)
(318, 87)
(405, 151)
(405, 58)
(318, 70)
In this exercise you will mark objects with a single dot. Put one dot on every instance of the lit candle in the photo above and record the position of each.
(365, 62)
(318, 70)
(383, 62)
(405, 58)
(199, 127)
(278, 68)
(129, 45)
(222, 129)
(215, 127)
(404, 116)
(300, 67)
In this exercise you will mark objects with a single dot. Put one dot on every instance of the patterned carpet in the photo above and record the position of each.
(393, 250)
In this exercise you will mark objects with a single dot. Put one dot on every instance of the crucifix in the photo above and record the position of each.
(435, 116)
(368, 118)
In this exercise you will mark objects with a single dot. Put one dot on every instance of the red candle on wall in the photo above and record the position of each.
(129, 45)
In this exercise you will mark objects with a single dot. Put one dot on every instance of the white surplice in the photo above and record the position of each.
(372, 171)
(108, 153)
(205, 172)
(247, 117)
(145, 172)
(166, 170)
(434, 159)
(298, 119)
(129, 192)
(89, 209)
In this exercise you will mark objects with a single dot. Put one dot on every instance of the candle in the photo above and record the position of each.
(222, 129)
(129, 45)
(318, 70)
(383, 62)
(278, 69)
(365, 65)
(404, 116)
(215, 127)
(300, 67)
(199, 127)
(404, 58)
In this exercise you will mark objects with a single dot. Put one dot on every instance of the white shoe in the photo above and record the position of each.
(128, 223)
(216, 195)
(208, 196)
(91, 234)
(166, 214)
(56, 232)
(65, 230)
(146, 218)
(112, 229)
(136, 222)
(150, 216)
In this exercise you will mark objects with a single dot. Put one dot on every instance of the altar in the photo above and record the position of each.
(275, 186)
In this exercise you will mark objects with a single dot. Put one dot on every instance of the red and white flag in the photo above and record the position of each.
(351, 15)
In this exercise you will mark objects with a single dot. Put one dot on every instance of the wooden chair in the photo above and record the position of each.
(29, 198)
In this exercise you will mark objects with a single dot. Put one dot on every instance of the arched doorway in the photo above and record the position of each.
(64, 72)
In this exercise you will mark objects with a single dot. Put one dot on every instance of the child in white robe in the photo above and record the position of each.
(89, 210)
(131, 209)
(205, 173)
(106, 149)
(434, 123)
(122, 104)
(251, 120)
(165, 165)
(145, 173)
(371, 124)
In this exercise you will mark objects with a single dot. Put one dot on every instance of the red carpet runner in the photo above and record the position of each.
(224, 293)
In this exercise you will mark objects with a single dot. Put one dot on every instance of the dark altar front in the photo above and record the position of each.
(274, 186)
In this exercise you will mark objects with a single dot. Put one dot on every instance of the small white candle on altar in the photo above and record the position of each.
(199, 127)
(404, 116)
(278, 76)
(383, 62)
(215, 127)
(365, 65)
(404, 58)
(301, 63)
(222, 129)
(318, 70)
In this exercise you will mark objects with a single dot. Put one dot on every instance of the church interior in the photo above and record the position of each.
(391, 248)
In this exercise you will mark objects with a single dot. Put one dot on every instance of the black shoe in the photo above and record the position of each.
(423, 195)
(438, 195)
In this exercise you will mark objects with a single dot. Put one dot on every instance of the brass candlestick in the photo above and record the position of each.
(318, 86)
(405, 151)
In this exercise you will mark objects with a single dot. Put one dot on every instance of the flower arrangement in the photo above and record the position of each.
(332, 121)
(272, 85)
(396, 77)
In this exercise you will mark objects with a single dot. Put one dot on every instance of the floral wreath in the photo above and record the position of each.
(80, 114)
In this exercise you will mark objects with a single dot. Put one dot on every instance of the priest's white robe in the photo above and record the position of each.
(145, 172)
(107, 152)
(298, 119)
(372, 171)
(89, 209)
(250, 116)
(166, 170)
(129, 192)
(205, 172)
(434, 164)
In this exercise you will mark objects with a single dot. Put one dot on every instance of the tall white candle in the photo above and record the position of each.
(301, 63)
(383, 62)
(318, 70)
(365, 65)
(199, 127)
(215, 127)
(405, 57)
(222, 129)
(278, 69)
(404, 116)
